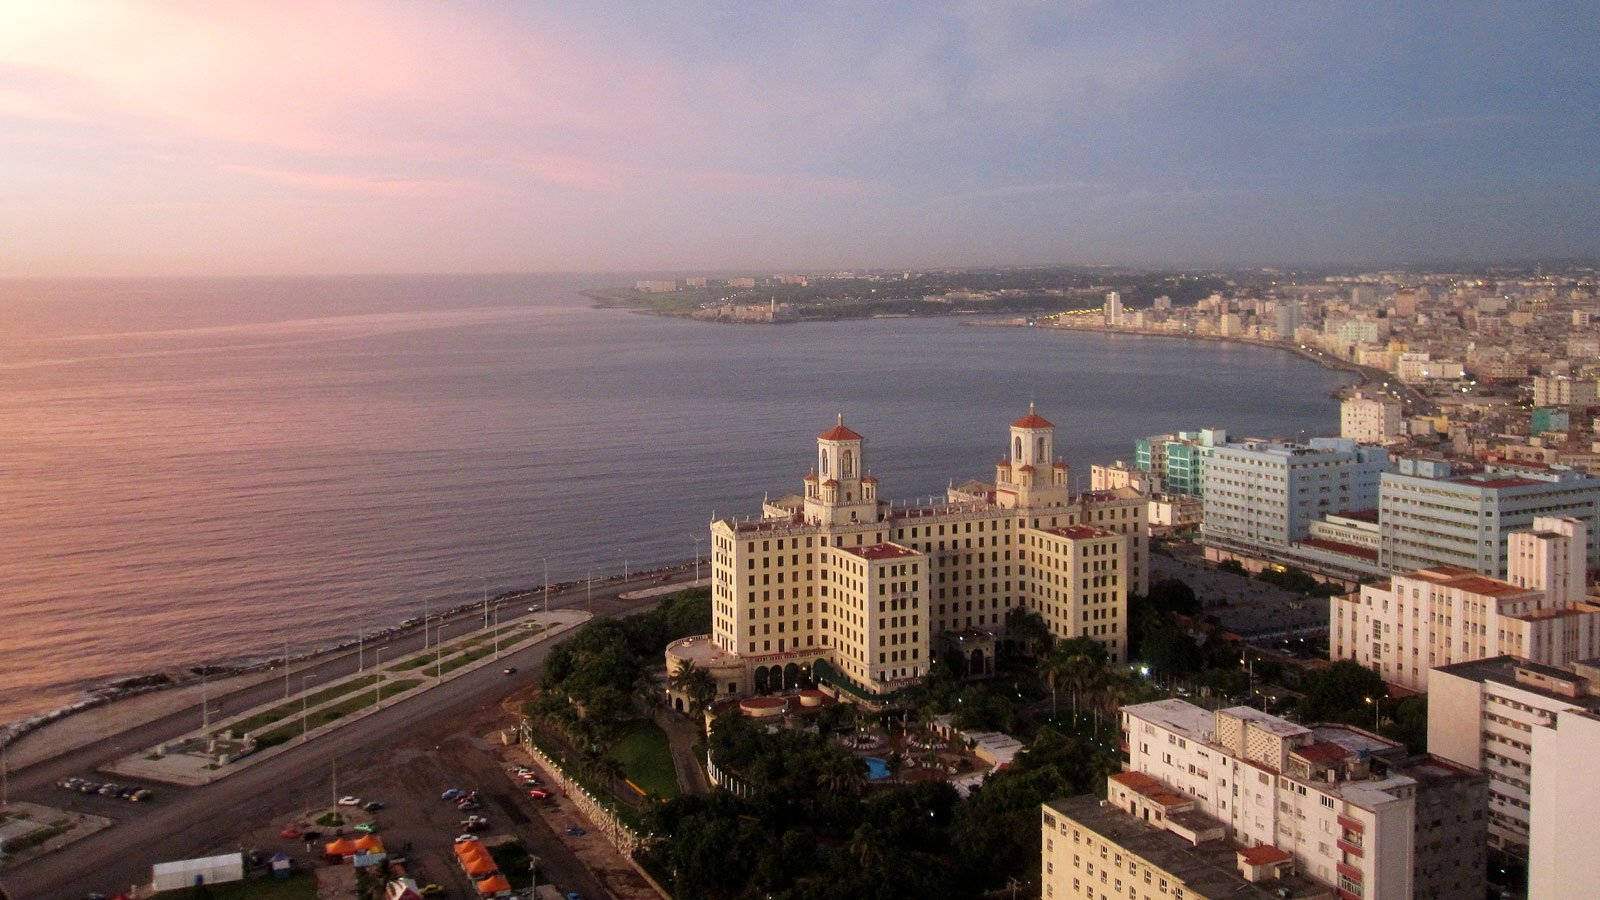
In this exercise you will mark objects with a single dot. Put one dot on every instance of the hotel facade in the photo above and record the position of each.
(864, 595)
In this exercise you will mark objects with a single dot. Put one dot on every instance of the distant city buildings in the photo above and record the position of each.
(1113, 310)
(1370, 419)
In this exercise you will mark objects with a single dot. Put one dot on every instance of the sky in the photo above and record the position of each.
(199, 138)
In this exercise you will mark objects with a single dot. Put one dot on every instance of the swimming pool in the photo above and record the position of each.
(877, 769)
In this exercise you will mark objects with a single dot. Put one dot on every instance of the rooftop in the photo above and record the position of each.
(1150, 788)
(1265, 721)
(1079, 532)
(1192, 721)
(1207, 870)
(883, 551)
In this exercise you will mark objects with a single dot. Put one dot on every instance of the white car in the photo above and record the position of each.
(349, 801)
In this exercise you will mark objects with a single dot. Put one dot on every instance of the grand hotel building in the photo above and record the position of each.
(862, 593)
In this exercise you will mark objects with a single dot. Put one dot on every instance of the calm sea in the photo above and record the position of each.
(200, 470)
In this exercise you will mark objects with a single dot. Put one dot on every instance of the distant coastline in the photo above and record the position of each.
(1366, 375)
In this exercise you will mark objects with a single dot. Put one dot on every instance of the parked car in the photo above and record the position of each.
(575, 831)
(109, 790)
(366, 828)
(372, 806)
(432, 889)
(143, 795)
(509, 670)
(310, 836)
(452, 794)
(466, 838)
(88, 787)
(539, 794)
(348, 800)
(289, 832)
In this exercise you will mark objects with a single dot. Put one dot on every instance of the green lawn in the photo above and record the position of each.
(303, 886)
(646, 758)
(329, 713)
(292, 708)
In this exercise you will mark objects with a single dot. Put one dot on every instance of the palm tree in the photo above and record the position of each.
(695, 683)
(843, 774)
(606, 769)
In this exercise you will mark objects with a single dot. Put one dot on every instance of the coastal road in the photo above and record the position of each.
(187, 821)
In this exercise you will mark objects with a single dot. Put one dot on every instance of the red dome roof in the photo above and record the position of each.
(839, 433)
(1032, 420)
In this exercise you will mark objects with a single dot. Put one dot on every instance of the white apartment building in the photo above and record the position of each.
(1370, 420)
(836, 584)
(1113, 310)
(1442, 615)
(1467, 520)
(1566, 794)
(1262, 494)
(1564, 390)
(1337, 799)
(1145, 842)
(1487, 714)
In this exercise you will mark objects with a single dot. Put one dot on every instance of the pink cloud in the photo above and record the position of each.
(353, 183)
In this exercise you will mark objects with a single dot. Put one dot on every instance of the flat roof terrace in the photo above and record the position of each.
(883, 551)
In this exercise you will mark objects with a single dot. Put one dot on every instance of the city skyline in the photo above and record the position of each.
(146, 139)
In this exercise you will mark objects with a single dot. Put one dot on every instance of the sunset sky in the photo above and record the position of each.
(286, 137)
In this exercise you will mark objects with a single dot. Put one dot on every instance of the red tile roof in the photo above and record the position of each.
(1150, 788)
(839, 433)
(1264, 854)
(1033, 420)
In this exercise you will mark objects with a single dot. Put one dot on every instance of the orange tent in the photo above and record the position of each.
(493, 885)
(342, 847)
(477, 866)
(465, 848)
(369, 843)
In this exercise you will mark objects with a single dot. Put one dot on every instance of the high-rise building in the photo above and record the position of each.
(1563, 390)
(1467, 520)
(1488, 715)
(1113, 310)
(1449, 614)
(837, 585)
(1266, 494)
(1565, 794)
(1345, 805)
(1288, 318)
(1178, 460)
(1371, 419)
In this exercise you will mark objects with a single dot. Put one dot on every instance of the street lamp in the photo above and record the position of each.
(1377, 709)
(697, 558)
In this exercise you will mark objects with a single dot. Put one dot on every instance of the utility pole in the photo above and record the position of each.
(546, 563)
(285, 670)
(485, 585)
(205, 704)
(361, 638)
(303, 728)
(377, 686)
(697, 559)
(588, 598)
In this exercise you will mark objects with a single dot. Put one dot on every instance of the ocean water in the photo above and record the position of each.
(197, 470)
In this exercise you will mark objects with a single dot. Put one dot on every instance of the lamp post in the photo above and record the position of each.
(377, 686)
(546, 564)
(361, 650)
(697, 558)
(303, 728)
(1377, 711)
(484, 583)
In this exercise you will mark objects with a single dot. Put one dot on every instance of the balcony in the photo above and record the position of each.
(1346, 846)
